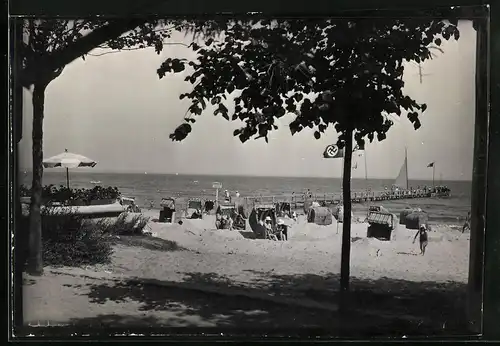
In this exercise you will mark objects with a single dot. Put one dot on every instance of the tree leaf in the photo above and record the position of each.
(417, 124)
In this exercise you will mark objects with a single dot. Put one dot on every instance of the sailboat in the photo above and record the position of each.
(402, 178)
(401, 182)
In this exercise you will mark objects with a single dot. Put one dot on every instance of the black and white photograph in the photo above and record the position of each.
(248, 174)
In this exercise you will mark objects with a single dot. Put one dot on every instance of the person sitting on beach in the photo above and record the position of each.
(218, 221)
(422, 232)
(282, 230)
(466, 223)
(268, 224)
(228, 222)
(196, 214)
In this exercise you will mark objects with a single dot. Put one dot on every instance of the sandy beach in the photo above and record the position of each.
(305, 270)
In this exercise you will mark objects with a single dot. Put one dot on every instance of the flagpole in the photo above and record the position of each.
(433, 171)
(366, 171)
(342, 175)
(406, 166)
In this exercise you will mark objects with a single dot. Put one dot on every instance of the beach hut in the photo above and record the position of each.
(194, 209)
(320, 216)
(380, 208)
(402, 216)
(229, 211)
(167, 213)
(209, 206)
(284, 209)
(257, 217)
(416, 219)
(380, 225)
(129, 204)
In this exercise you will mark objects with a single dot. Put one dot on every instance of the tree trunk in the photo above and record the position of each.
(346, 230)
(35, 262)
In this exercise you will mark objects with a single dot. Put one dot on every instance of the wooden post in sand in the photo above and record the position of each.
(216, 185)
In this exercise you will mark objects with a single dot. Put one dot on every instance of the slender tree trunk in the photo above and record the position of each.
(35, 262)
(346, 231)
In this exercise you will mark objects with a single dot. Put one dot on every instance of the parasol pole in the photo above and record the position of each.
(67, 172)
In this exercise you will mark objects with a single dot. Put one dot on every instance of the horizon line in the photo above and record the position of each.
(245, 175)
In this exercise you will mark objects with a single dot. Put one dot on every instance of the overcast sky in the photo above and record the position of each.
(115, 110)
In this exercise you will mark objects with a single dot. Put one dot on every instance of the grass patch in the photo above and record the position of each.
(74, 241)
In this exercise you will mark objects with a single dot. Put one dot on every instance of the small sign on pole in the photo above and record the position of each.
(216, 185)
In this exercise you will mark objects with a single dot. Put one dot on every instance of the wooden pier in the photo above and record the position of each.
(298, 200)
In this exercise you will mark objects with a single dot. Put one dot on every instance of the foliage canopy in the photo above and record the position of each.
(347, 74)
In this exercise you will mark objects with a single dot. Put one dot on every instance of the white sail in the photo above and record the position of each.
(402, 179)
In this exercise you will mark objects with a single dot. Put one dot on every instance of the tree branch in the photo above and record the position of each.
(73, 50)
(135, 48)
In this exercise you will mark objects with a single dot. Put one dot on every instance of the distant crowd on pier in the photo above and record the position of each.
(394, 192)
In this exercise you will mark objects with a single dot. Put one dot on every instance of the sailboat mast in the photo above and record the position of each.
(366, 169)
(406, 164)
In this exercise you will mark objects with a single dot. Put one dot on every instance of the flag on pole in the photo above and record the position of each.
(333, 152)
(430, 165)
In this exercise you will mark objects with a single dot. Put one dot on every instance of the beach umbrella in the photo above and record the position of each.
(68, 160)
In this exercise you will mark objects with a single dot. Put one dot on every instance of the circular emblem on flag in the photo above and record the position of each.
(332, 150)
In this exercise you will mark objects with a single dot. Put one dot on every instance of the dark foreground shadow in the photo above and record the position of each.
(384, 307)
(179, 307)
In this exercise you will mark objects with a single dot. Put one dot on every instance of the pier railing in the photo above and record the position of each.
(335, 198)
(298, 200)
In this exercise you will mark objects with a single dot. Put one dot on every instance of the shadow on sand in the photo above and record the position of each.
(397, 307)
(384, 307)
(148, 242)
(247, 234)
(202, 308)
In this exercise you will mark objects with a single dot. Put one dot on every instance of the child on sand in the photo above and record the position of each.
(422, 232)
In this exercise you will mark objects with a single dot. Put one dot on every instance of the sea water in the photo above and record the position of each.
(147, 188)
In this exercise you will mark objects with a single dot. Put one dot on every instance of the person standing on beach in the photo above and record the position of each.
(422, 232)
(467, 223)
